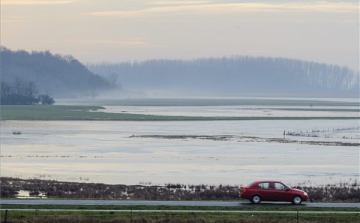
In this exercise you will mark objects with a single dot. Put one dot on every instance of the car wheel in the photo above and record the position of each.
(297, 200)
(256, 199)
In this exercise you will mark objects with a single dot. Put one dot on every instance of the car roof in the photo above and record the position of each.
(268, 181)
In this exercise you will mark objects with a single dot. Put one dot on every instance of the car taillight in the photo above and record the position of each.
(243, 190)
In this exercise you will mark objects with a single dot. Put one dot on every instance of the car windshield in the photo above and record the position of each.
(250, 184)
(287, 186)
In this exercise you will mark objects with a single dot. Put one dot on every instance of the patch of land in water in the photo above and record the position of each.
(247, 139)
(91, 113)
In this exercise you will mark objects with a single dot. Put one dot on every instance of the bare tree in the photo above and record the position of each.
(31, 89)
(18, 86)
(113, 80)
(5, 92)
(20, 92)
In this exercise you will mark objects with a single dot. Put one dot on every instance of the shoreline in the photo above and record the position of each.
(343, 192)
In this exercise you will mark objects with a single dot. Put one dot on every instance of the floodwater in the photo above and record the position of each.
(106, 152)
(238, 111)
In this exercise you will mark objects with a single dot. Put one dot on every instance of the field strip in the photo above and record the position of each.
(191, 211)
(172, 203)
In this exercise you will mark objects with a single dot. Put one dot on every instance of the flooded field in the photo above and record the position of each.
(193, 152)
(238, 111)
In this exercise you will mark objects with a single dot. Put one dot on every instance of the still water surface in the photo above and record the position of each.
(100, 151)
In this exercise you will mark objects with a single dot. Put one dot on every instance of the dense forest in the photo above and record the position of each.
(56, 75)
(65, 77)
(234, 76)
(19, 92)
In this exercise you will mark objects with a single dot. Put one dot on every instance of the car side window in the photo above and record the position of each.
(266, 186)
(279, 186)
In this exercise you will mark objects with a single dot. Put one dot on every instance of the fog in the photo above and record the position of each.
(231, 77)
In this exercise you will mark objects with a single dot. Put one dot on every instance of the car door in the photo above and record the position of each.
(281, 193)
(266, 191)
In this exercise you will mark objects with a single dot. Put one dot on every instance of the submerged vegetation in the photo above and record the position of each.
(247, 139)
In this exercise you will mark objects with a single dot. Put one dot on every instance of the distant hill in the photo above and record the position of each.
(234, 76)
(59, 76)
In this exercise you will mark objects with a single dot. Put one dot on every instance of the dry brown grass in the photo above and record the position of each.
(346, 192)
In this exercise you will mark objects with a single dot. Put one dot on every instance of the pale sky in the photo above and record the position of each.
(128, 30)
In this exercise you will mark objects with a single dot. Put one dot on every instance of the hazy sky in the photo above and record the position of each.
(122, 30)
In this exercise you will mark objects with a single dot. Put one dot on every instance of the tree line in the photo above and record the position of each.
(61, 75)
(234, 76)
(19, 92)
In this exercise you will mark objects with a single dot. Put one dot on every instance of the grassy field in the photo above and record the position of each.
(116, 213)
(250, 207)
(93, 113)
(144, 217)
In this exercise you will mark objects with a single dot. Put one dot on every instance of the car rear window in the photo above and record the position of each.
(252, 183)
(264, 186)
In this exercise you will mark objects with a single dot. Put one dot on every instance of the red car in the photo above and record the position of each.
(272, 191)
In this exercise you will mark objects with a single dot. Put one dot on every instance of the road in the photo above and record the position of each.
(172, 203)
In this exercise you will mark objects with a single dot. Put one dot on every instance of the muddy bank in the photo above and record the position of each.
(247, 139)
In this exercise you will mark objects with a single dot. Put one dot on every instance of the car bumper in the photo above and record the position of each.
(305, 197)
(244, 196)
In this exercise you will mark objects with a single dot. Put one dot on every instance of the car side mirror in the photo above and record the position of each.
(287, 189)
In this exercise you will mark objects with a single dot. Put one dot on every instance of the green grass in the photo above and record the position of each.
(87, 216)
(61, 112)
(146, 207)
(81, 213)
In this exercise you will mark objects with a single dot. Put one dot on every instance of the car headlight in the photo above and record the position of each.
(305, 194)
